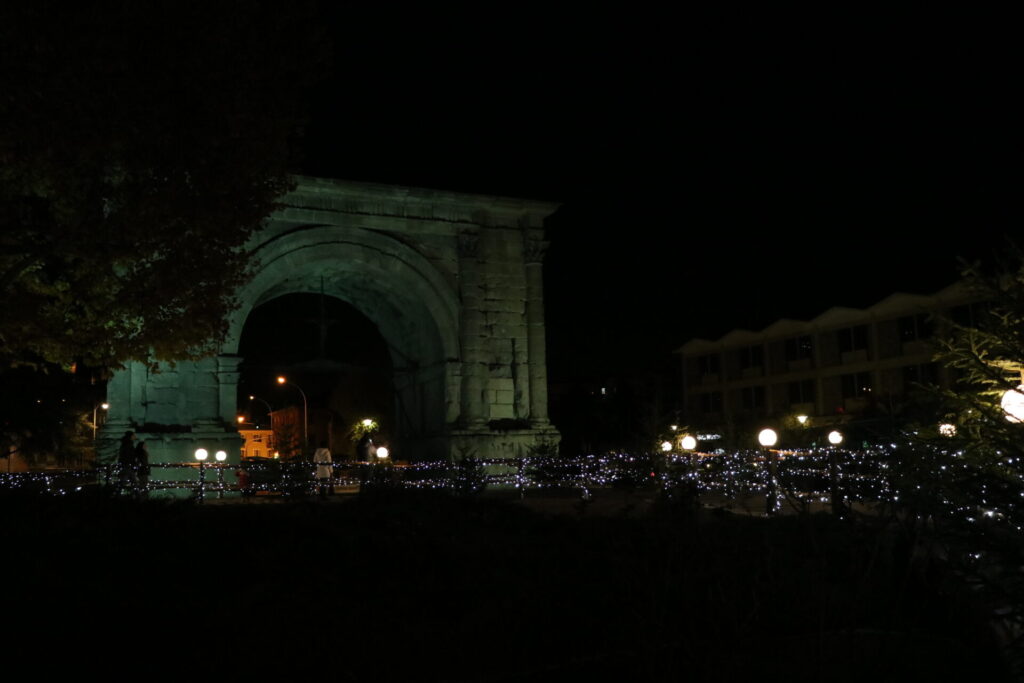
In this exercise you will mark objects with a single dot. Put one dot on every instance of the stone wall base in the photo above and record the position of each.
(515, 443)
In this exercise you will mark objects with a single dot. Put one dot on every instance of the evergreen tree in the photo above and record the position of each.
(984, 349)
(960, 484)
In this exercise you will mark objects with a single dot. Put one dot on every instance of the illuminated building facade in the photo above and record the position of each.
(845, 363)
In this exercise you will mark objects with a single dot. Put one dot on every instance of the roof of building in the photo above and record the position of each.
(894, 305)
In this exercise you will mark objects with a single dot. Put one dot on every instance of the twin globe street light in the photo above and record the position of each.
(201, 455)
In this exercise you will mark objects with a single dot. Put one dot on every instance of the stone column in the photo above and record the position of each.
(227, 383)
(535, 339)
(520, 379)
(474, 402)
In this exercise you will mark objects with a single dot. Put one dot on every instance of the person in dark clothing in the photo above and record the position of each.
(364, 449)
(127, 475)
(142, 470)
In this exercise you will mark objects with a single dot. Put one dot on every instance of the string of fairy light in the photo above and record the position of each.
(866, 476)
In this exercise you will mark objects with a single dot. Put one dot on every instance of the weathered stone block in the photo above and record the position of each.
(502, 411)
(500, 371)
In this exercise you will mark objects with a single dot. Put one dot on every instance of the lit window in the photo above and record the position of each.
(799, 348)
(858, 384)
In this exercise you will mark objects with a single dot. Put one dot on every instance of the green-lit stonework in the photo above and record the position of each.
(453, 282)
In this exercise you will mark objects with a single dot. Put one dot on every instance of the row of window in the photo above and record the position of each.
(855, 385)
(911, 328)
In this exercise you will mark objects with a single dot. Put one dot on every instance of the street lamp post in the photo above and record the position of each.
(835, 438)
(270, 410)
(689, 445)
(201, 455)
(95, 419)
(95, 416)
(305, 412)
(768, 438)
(221, 457)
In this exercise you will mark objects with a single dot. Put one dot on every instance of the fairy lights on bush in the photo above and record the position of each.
(874, 476)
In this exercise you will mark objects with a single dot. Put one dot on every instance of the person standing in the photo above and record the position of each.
(127, 477)
(324, 469)
(142, 470)
(365, 448)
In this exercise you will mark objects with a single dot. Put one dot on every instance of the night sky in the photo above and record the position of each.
(715, 172)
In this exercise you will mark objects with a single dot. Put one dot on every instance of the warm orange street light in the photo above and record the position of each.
(281, 379)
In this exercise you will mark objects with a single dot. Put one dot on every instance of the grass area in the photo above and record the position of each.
(425, 586)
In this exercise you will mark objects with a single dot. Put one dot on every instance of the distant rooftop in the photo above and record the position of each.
(899, 303)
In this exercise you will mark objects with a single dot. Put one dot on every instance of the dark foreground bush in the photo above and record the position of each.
(424, 586)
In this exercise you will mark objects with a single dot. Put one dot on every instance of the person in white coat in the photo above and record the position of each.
(324, 470)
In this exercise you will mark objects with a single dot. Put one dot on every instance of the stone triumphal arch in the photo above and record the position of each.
(453, 282)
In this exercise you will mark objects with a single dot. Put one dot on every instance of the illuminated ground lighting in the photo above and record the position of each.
(767, 437)
(835, 438)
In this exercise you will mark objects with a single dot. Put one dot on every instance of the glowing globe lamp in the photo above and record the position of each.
(767, 438)
(835, 438)
(1013, 404)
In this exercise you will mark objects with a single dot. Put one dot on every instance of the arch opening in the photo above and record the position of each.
(410, 364)
(338, 359)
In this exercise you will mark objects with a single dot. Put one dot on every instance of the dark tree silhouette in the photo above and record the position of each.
(140, 145)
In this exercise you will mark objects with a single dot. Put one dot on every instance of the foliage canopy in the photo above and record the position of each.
(140, 146)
